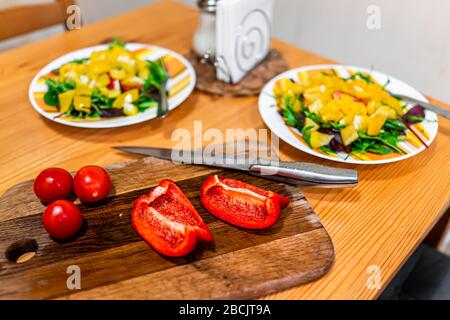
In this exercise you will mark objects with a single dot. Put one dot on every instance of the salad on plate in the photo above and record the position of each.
(110, 83)
(354, 115)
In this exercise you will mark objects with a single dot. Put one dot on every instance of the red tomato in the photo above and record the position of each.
(53, 184)
(92, 184)
(62, 219)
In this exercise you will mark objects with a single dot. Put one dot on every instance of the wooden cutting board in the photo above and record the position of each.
(115, 263)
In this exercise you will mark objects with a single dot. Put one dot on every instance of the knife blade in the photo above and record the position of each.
(296, 173)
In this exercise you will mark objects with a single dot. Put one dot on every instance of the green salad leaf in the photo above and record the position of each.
(413, 118)
(386, 138)
(395, 125)
(314, 117)
(80, 61)
(327, 150)
(145, 102)
(116, 42)
(55, 88)
(367, 145)
(361, 76)
(333, 125)
(290, 117)
(158, 75)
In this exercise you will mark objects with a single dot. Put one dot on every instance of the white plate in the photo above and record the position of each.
(275, 122)
(184, 81)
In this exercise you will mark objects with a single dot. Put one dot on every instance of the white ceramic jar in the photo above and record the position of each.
(204, 42)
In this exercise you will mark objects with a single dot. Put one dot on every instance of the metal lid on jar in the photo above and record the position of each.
(207, 5)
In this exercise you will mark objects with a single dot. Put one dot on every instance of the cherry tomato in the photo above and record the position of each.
(53, 184)
(92, 184)
(62, 219)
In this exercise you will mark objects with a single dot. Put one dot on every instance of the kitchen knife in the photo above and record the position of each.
(296, 173)
(432, 107)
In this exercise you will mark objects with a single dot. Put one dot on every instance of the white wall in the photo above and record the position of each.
(413, 43)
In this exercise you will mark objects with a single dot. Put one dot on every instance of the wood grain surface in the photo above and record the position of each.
(20, 19)
(115, 262)
(379, 223)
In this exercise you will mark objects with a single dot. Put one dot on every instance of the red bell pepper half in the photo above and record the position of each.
(242, 204)
(167, 221)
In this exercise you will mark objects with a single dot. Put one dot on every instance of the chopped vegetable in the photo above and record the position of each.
(318, 139)
(167, 221)
(65, 100)
(241, 204)
(376, 123)
(336, 114)
(310, 125)
(349, 135)
(126, 98)
(111, 78)
(130, 109)
(54, 89)
(414, 115)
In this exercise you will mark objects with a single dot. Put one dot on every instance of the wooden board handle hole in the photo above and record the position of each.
(22, 251)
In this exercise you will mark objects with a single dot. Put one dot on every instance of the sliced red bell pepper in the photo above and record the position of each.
(242, 204)
(167, 221)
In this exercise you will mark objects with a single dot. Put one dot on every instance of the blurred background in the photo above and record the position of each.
(411, 43)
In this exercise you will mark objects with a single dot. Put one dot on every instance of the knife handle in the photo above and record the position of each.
(307, 174)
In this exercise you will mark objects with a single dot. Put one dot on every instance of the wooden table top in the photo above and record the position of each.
(379, 223)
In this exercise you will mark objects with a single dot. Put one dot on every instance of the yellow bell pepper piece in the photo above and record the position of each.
(304, 79)
(331, 112)
(297, 107)
(326, 96)
(318, 139)
(115, 52)
(364, 95)
(112, 94)
(126, 97)
(372, 106)
(285, 85)
(389, 112)
(68, 71)
(316, 106)
(118, 74)
(132, 81)
(349, 135)
(82, 103)
(83, 91)
(358, 108)
(144, 73)
(361, 123)
(99, 55)
(310, 125)
(346, 98)
(377, 121)
(130, 109)
(312, 94)
(347, 120)
(103, 80)
(394, 104)
(65, 100)
(277, 91)
(141, 64)
(96, 68)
